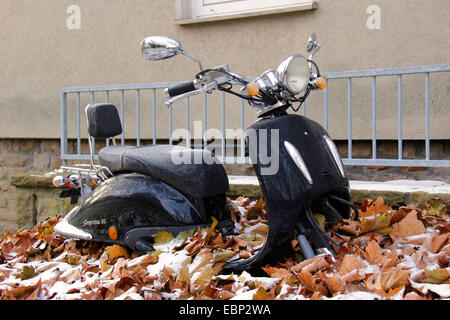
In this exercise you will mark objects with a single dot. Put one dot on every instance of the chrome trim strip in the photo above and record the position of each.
(335, 154)
(66, 229)
(298, 160)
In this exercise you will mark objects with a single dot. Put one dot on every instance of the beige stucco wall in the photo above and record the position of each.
(39, 55)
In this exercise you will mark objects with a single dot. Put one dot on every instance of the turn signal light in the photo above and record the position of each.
(321, 83)
(58, 181)
(112, 232)
(252, 89)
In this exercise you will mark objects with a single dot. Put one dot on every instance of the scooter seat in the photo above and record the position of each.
(193, 172)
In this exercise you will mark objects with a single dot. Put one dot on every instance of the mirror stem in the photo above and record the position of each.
(187, 54)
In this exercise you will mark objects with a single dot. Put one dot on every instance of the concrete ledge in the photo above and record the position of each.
(396, 192)
(33, 180)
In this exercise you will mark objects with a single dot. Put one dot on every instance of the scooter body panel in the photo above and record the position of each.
(129, 200)
(288, 190)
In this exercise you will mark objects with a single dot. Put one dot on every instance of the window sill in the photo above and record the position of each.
(187, 12)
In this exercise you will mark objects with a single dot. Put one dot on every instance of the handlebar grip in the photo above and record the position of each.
(180, 89)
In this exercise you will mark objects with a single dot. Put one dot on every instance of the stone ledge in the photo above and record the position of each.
(33, 180)
(397, 192)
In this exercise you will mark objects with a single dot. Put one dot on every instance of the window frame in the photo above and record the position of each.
(196, 11)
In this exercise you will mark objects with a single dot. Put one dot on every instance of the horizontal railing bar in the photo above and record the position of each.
(120, 87)
(396, 162)
(235, 160)
(347, 162)
(77, 157)
(387, 72)
(159, 85)
(232, 160)
(328, 75)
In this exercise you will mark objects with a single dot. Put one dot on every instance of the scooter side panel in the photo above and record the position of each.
(130, 200)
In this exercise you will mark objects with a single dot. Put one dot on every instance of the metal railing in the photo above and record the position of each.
(156, 88)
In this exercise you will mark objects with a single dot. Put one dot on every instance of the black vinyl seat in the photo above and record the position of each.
(193, 172)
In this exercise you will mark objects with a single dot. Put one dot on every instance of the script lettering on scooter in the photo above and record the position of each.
(91, 223)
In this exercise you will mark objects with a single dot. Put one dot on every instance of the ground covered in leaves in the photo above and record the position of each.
(390, 253)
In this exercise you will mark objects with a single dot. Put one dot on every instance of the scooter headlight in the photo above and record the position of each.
(294, 73)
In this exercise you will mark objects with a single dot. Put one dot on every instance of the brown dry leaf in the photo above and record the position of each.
(143, 261)
(394, 278)
(371, 208)
(73, 258)
(352, 276)
(414, 296)
(435, 207)
(435, 243)
(443, 256)
(194, 246)
(350, 263)
(313, 264)
(162, 237)
(261, 294)
(244, 254)
(294, 245)
(334, 283)
(307, 280)
(103, 260)
(393, 292)
(222, 254)
(401, 213)
(28, 272)
(373, 253)
(201, 279)
(34, 295)
(350, 226)
(389, 260)
(210, 230)
(317, 296)
(210, 291)
(384, 281)
(238, 243)
(436, 276)
(21, 292)
(116, 251)
(285, 275)
(224, 295)
(256, 210)
(204, 258)
(379, 223)
(408, 226)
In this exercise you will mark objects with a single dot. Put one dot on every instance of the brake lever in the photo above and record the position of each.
(208, 88)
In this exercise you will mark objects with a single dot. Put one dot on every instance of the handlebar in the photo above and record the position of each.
(180, 89)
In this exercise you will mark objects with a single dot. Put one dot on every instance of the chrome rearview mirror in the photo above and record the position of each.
(156, 48)
(313, 45)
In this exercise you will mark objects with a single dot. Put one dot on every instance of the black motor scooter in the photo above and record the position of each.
(141, 191)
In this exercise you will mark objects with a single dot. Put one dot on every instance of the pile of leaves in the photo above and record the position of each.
(389, 253)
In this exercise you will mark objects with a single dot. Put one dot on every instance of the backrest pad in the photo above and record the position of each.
(103, 120)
